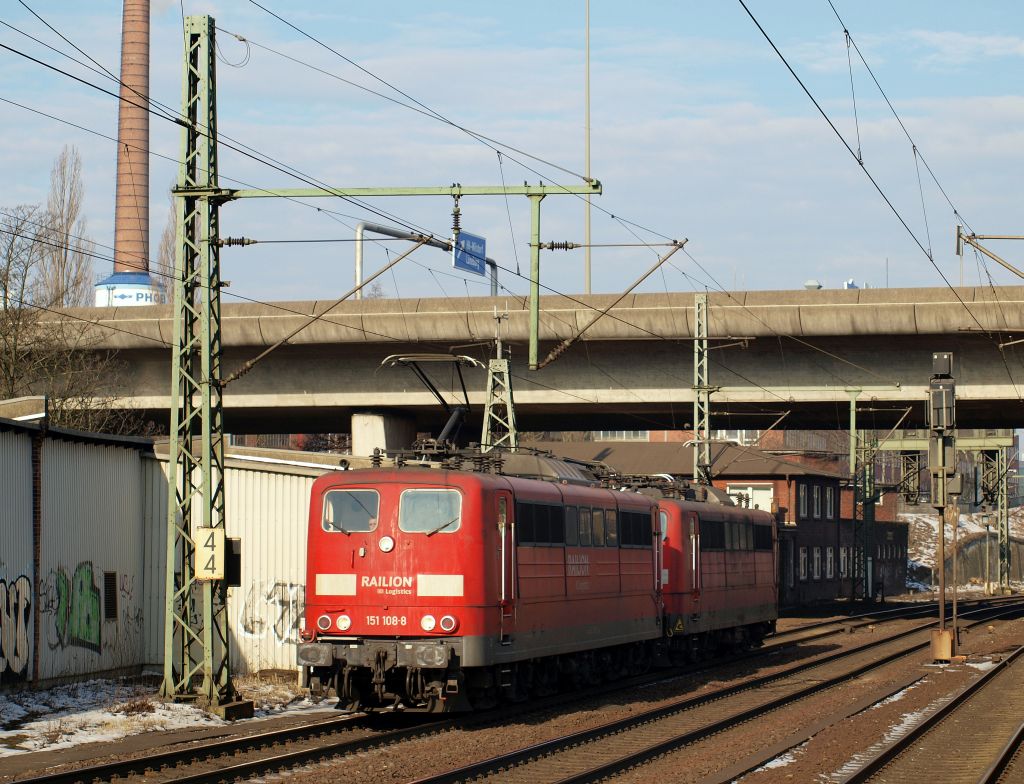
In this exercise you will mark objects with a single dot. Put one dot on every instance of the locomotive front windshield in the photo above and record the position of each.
(351, 511)
(430, 511)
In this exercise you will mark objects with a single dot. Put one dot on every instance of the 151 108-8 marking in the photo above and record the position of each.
(386, 620)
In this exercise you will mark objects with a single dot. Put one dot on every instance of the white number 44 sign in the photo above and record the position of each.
(209, 553)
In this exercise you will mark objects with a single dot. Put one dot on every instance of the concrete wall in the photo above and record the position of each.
(878, 340)
(970, 562)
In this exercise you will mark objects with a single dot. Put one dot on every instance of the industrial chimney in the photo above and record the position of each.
(131, 284)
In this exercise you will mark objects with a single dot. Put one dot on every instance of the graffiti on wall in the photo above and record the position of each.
(273, 609)
(73, 604)
(15, 609)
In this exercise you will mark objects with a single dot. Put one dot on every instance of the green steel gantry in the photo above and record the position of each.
(196, 640)
(535, 193)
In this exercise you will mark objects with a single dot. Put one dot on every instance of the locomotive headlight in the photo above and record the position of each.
(344, 623)
(386, 544)
(427, 623)
(448, 623)
(323, 623)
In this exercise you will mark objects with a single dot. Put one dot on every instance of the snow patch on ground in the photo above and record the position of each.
(788, 758)
(894, 697)
(984, 666)
(905, 724)
(104, 710)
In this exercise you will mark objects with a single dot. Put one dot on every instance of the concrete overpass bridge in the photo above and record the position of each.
(807, 353)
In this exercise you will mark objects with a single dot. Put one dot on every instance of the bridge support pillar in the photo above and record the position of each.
(385, 431)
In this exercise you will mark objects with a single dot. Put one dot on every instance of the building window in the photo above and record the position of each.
(830, 562)
(830, 503)
(844, 563)
(621, 435)
(803, 563)
(817, 563)
(741, 437)
(802, 500)
(752, 496)
(817, 502)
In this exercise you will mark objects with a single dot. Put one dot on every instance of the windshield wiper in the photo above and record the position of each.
(339, 527)
(443, 525)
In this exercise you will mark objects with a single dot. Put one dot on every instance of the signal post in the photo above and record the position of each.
(946, 486)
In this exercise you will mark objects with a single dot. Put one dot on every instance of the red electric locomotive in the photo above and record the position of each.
(719, 575)
(438, 590)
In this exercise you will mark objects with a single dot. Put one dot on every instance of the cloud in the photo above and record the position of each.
(944, 49)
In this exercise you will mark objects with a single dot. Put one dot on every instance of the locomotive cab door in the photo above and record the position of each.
(691, 567)
(693, 526)
(507, 566)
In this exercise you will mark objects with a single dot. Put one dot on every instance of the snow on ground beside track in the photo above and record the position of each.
(104, 710)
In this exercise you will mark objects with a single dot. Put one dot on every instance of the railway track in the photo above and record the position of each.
(602, 752)
(820, 629)
(972, 738)
(311, 743)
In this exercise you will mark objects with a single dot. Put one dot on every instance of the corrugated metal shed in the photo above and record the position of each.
(16, 600)
(91, 564)
(267, 505)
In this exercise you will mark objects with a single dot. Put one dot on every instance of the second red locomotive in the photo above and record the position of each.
(436, 589)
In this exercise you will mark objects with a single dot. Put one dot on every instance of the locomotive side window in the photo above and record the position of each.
(586, 530)
(712, 535)
(540, 524)
(762, 537)
(556, 523)
(572, 531)
(430, 511)
(597, 520)
(611, 529)
(351, 511)
(525, 523)
(635, 529)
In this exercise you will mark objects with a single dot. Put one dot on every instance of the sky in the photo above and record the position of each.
(698, 131)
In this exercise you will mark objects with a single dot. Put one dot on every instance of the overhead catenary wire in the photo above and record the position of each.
(226, 141)
(431, 112)
(181, 122)
(870, 177)
(632, 224)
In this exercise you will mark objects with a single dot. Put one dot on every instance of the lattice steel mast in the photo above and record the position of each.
(499, 409)
(701, 393)
(195, 584)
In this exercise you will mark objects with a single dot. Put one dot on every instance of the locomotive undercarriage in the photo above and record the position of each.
(690, 648)
(395, 675)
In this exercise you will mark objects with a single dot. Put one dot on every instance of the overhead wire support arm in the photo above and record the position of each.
(973, 241)
(248, 365)
(444, 190)
(562, 347)
(535, 193)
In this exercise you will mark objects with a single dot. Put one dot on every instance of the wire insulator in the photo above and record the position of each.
(228, 242)
(560, 245)
(456, 218)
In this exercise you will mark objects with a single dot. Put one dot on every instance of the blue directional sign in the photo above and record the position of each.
(470, 253)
